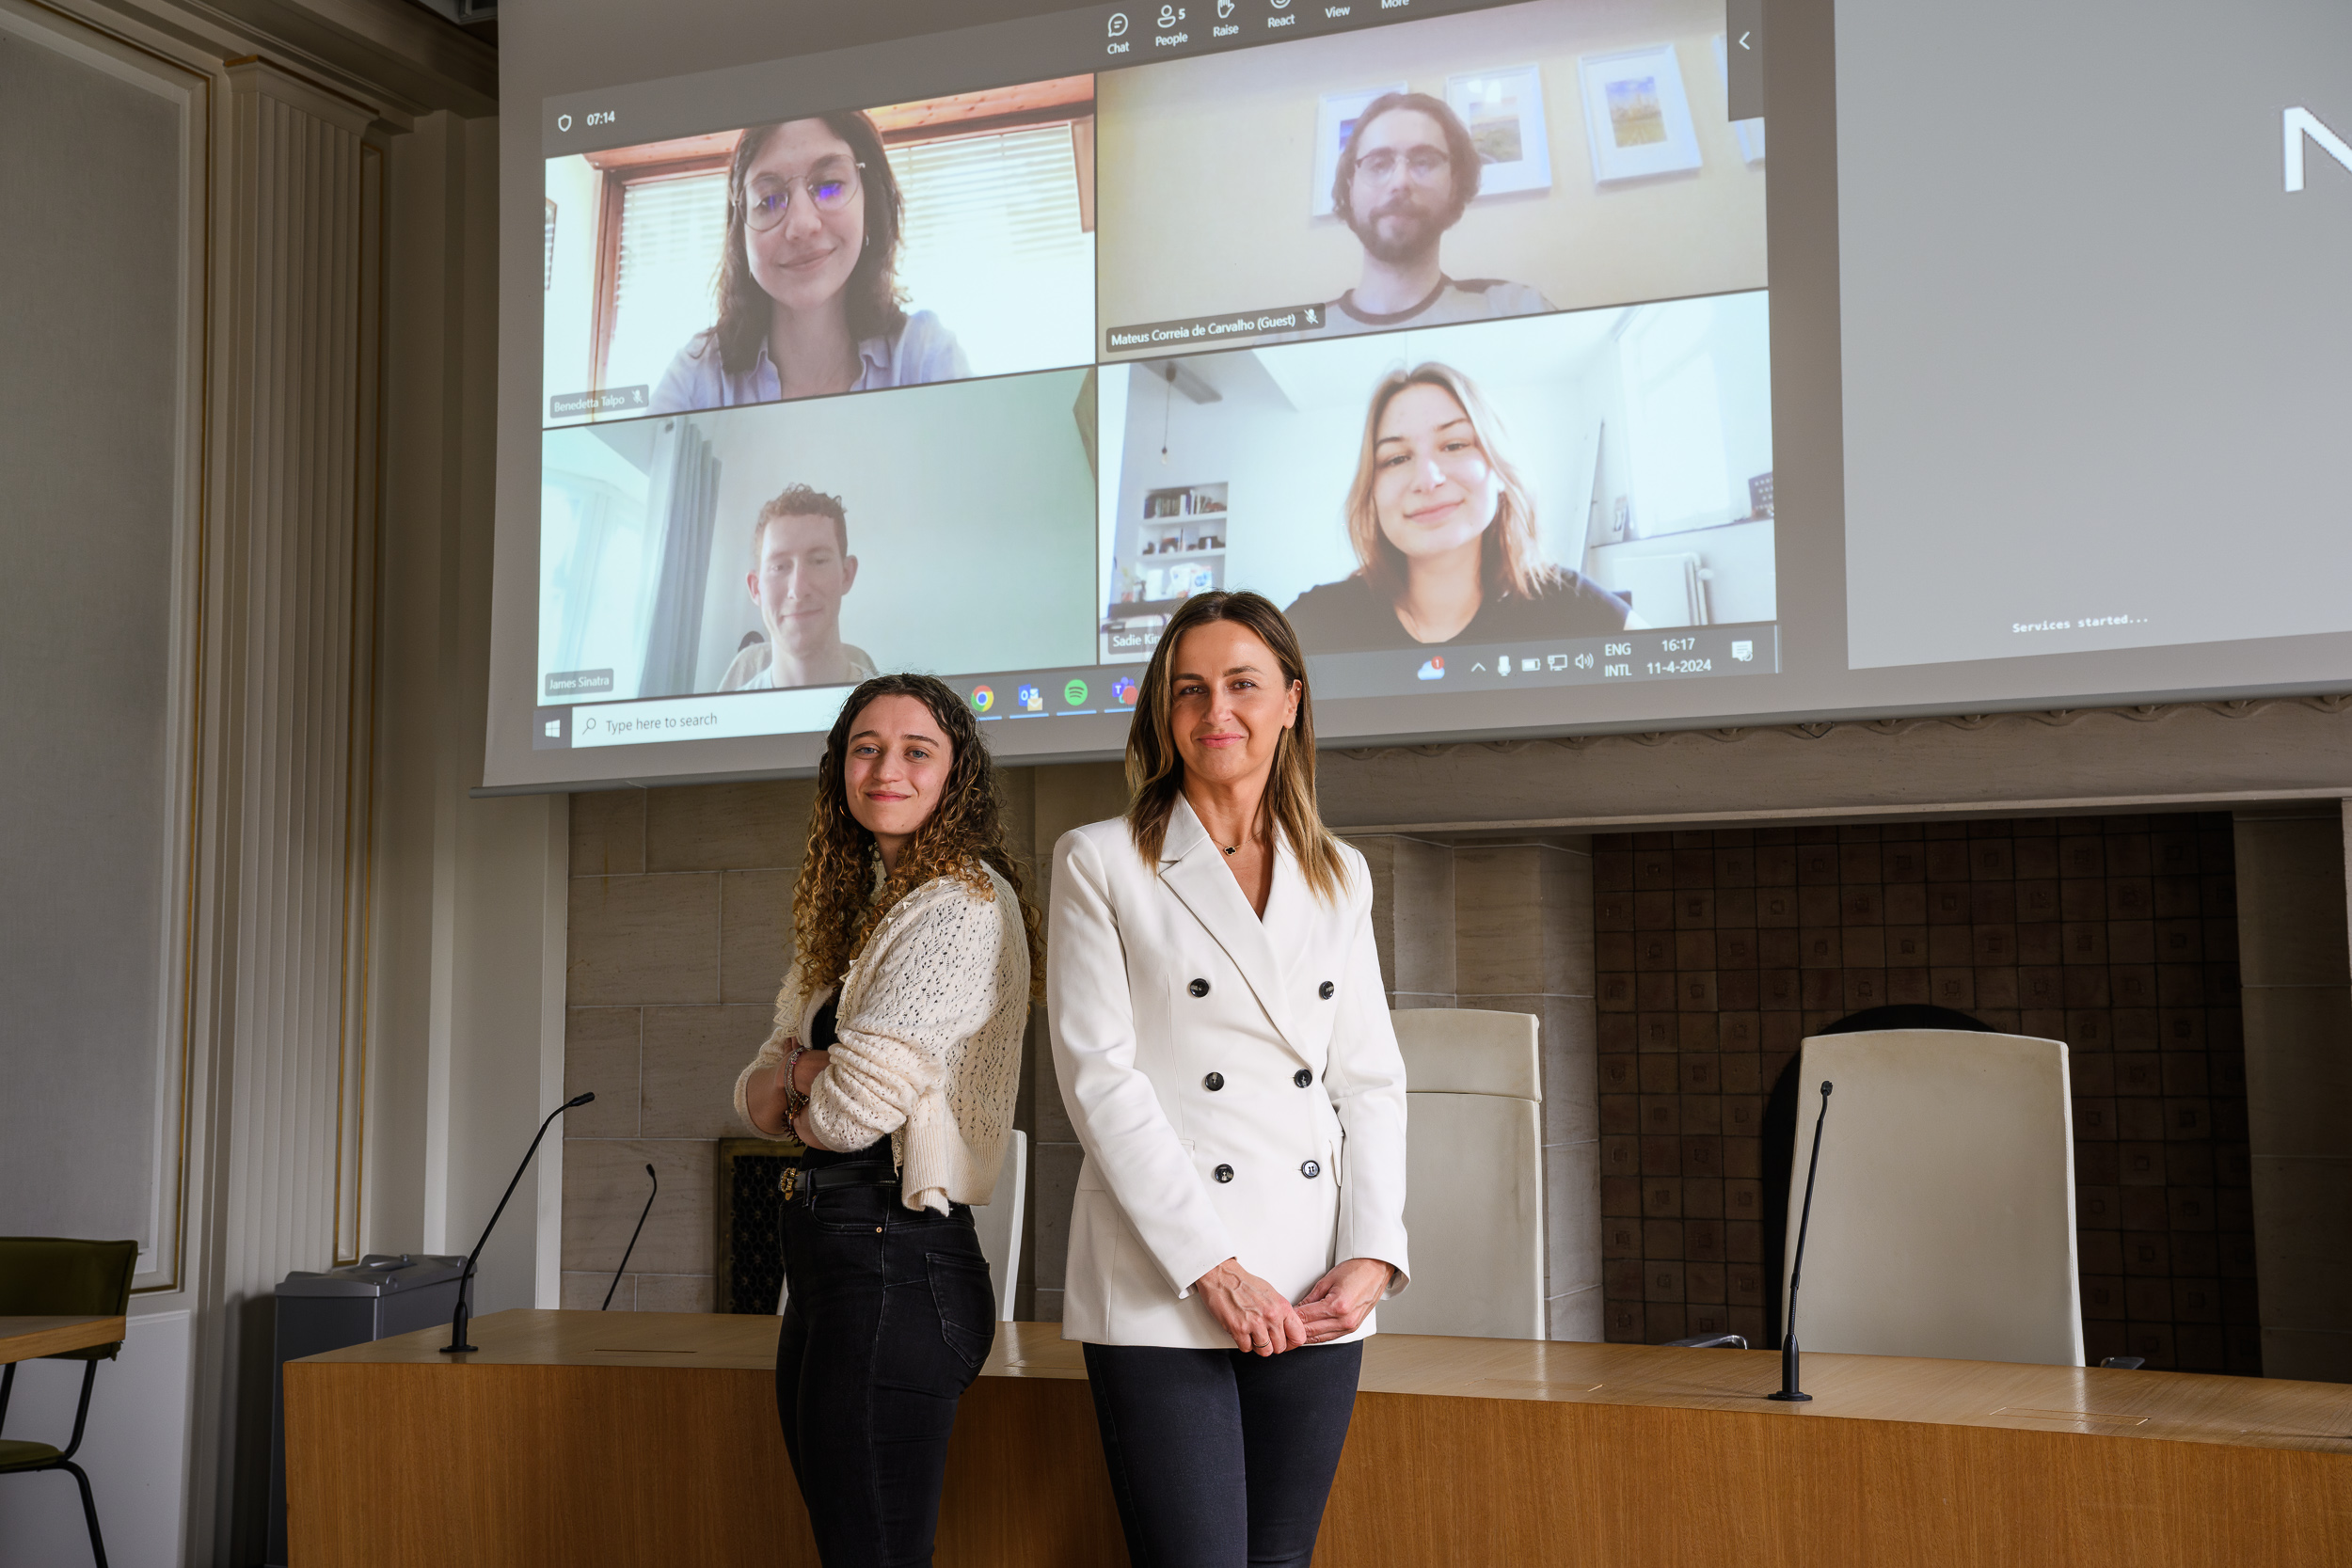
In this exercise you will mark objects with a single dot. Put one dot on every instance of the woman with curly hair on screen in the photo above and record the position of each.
(894, 1061)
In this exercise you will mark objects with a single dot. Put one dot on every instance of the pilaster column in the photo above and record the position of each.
(286, 769)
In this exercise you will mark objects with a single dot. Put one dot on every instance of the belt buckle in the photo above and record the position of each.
(789, 1182)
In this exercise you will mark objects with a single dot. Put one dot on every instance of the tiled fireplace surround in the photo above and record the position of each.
(677, 933)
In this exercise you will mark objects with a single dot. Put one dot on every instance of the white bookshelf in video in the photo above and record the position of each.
(1176, 549)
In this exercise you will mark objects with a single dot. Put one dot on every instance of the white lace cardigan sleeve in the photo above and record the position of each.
(928, 1047)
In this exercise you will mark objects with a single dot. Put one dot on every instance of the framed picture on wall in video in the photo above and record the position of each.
(1505, 112)
(1637, 115)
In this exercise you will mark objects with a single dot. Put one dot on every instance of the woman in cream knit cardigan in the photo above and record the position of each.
(894, 1061)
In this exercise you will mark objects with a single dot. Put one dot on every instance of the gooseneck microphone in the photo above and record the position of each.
(1788, 1390)
(632, 1239)
(458, 1344)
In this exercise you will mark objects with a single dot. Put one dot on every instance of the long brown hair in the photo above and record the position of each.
(1155, 769)
(1511, 549)
(836, 905)
(872, 299)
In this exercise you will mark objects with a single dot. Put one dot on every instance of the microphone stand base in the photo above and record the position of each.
(1790, 1395)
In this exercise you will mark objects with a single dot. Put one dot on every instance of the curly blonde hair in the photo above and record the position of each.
(835, 905)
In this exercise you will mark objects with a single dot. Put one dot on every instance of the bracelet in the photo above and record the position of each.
(794, 1101)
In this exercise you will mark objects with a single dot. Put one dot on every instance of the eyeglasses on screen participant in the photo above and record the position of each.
(1408, 174)
(808, 295)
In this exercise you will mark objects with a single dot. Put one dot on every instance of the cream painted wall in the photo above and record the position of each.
(1206, 168)
(472, 890)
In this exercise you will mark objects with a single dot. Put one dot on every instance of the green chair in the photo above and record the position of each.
(51, 1276)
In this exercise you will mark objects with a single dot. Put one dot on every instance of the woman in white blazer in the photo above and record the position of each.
(1223, 1044)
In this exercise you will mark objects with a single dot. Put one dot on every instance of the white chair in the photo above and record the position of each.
(1944, 1215)
(1474, 1175)
(999, 1221)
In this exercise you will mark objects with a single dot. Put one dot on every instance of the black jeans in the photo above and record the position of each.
(887, 1320)
(1220, 1459)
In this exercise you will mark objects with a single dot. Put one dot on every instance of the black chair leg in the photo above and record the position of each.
(89, 1510)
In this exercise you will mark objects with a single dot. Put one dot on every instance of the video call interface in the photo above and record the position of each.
(1448, 334)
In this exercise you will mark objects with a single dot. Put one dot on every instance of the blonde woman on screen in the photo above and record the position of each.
(808, 287)
(1444, 532)
(894, 1061)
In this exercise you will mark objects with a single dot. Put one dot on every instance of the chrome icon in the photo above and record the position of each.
(982, 698)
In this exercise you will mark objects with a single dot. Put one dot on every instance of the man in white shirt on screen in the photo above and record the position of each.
(1408, 174)
(800, 569)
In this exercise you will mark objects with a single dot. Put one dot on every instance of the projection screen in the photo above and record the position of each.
(1490, 341)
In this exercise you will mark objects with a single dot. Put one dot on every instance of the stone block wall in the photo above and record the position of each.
(681, 931)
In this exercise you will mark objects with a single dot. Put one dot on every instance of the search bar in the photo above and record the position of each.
(716, 717)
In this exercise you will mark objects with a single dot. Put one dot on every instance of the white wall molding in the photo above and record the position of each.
(400, 59)
(2173, 755)
(192, 94)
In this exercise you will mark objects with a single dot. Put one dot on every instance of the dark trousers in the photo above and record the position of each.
(888, 1317)
(1219, 1459)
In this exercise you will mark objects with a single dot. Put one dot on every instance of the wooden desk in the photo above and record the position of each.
(651, 1438)
(22, 1338)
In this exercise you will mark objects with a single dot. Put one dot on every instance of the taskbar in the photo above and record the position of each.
(1081, 691)
(1072, 692)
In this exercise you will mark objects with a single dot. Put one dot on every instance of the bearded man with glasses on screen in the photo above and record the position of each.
(1408, 174)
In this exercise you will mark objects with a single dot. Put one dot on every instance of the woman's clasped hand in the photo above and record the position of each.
(1264, 1321)
(1258, 1317)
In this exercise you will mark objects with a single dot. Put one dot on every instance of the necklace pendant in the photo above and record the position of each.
(1230, 848)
